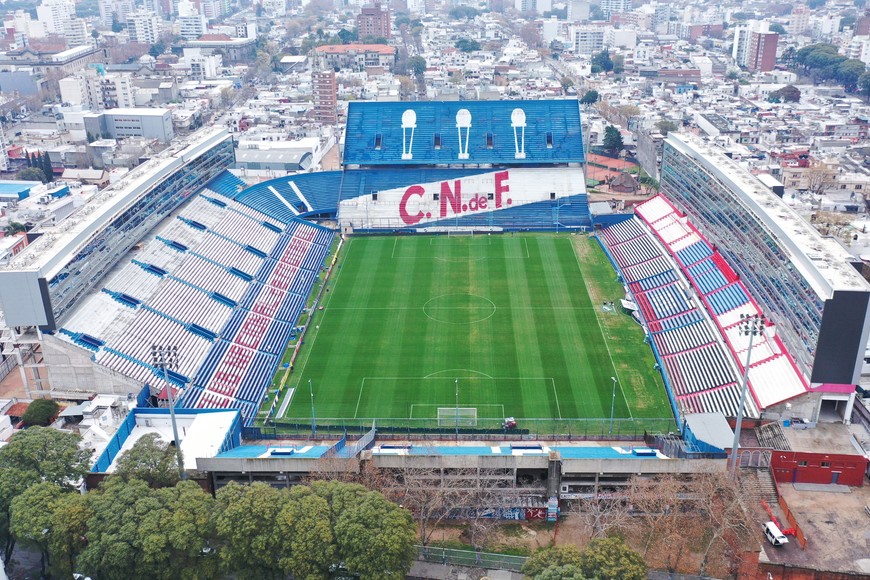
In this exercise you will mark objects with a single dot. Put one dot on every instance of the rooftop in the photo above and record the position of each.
(345, 48)
(61, 242)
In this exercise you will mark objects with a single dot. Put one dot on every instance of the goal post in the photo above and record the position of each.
(458, 232)
(463, 416)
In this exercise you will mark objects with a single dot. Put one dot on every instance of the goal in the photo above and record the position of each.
(463, 416)
(460, 232)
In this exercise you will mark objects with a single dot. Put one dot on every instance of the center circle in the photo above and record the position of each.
(461, 308)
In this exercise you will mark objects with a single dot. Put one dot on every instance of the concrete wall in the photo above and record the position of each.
(71, 370)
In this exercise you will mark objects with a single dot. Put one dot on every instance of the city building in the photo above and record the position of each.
(807, 285)
(356, 57)
(54, 14)
(611, 7)
(131, 122)
(533, 6)
(324, 90)
(143, 27)
(587, 39)
(374, 21)
(755, 47)
(96, 91)
(114, 10)
(203, 64)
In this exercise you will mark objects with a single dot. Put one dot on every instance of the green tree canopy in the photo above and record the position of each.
(47, 455)
(463, 12)
(613, 140)
(467, 45)
(601, 62)
(417, 64)
(590, 97)
(848, 73)
(31, 174)
(41, 412)
(31, 517)
(375, 537)
(151, 460)
(68, 535)
(864, 84)
(14, 228)
(611, 559)
(138, 532)
(778, 28)
(306, 520)
(787, 94)
(566, 83)
(567, 572)
(665, 126)
(245, 524)
(557, 556)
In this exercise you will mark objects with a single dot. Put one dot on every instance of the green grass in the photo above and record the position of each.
(509, 317)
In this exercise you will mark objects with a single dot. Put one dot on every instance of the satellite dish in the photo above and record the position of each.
(463, 118)
(409, 119)
(518, 118)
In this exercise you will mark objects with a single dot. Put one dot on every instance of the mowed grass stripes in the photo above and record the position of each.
(507, 317)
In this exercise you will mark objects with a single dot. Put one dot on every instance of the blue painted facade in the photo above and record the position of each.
(551, 133)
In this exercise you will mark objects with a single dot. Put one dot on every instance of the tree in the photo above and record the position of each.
(787, 94)
(375, 537)
(117, 25)
(138, 532)
(603, 61)
(13, 482)
(41, 411)
(613, 140)
(47, 168)
(463, 13)
(151, 460)
(47, 454)
(14, 228)
(466, 45)
(31, 517)
(611, 559)
(347, 36)
(566, 83)
(618, 64)
(848, 72)
(31, 174)
(568, 572)
(864, 84)
(417, 65)
(665, 126)
(157, 49)
(564, 555)
(68, 536)
(306, 520)
(778, 28)
(590, 98)
(818, 179)
(245, 525)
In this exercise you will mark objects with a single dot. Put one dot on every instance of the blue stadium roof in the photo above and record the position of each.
(491, 132)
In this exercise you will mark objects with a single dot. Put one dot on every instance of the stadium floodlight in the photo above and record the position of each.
(612, 404)
(750, 325)
(518, 121)
(456, 382)
(313, 419)
(166, 357)
(409, 121)
(463, 121)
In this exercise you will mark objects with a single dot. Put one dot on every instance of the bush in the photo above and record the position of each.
(41, 412)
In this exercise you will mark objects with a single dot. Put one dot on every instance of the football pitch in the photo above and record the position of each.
(507, 322)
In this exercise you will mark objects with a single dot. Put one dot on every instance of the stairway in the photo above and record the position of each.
(758, 485)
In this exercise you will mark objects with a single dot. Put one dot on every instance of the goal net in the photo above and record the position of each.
(465, 416)
(457, 232)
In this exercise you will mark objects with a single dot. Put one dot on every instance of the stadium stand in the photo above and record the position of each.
(697, 368)
(773, 376)
(221, 284)
(546, 131)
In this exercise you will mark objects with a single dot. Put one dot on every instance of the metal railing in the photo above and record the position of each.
(470, 558)
(548, 429)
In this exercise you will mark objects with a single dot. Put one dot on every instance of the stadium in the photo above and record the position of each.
(450, 275)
